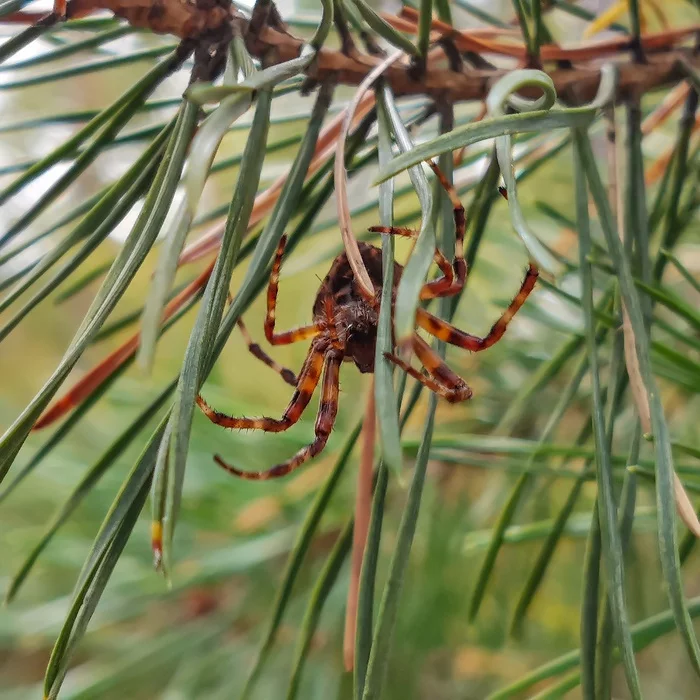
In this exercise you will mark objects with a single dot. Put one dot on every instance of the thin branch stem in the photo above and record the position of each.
(363, 506)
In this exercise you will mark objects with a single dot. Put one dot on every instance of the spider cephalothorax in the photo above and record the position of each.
(353, 316)
(344, 328)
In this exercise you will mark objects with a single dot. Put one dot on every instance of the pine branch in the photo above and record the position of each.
(574, 86)
(267, 39)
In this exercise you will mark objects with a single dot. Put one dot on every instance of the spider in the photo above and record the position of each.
(344, 328)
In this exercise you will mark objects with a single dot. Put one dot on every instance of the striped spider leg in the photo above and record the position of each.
(442, 380)
(324, 356)
(344, 328)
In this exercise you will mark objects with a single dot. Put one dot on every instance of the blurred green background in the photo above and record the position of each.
(198, 639)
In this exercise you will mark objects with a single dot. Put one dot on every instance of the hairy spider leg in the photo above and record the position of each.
(327, 412)
(440, 260)
(287, 337)
(258, 352)
(330, 328)
(453, 275)
(442, 380)
(308, 379)
(438, 368)
(447, 287)
(447, 332)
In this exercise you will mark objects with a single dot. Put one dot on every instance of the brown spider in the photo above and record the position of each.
(344, 328)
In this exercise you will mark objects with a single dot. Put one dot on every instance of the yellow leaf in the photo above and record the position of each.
(603, 21)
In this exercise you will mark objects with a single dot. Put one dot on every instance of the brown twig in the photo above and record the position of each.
(664, 50)
(575, 86)
(180, 18)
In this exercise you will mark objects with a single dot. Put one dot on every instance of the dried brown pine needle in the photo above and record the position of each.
(341, 192)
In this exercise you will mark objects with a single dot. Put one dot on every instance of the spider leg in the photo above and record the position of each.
(287, 337)
(447, 332)
(438, 368)
(442, 381)
(308, 379)
(258, 352)
(453, 274)
(448, 286)
(328, 409)
(440, 260)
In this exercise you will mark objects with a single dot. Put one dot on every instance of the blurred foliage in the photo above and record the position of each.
(198, 634)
